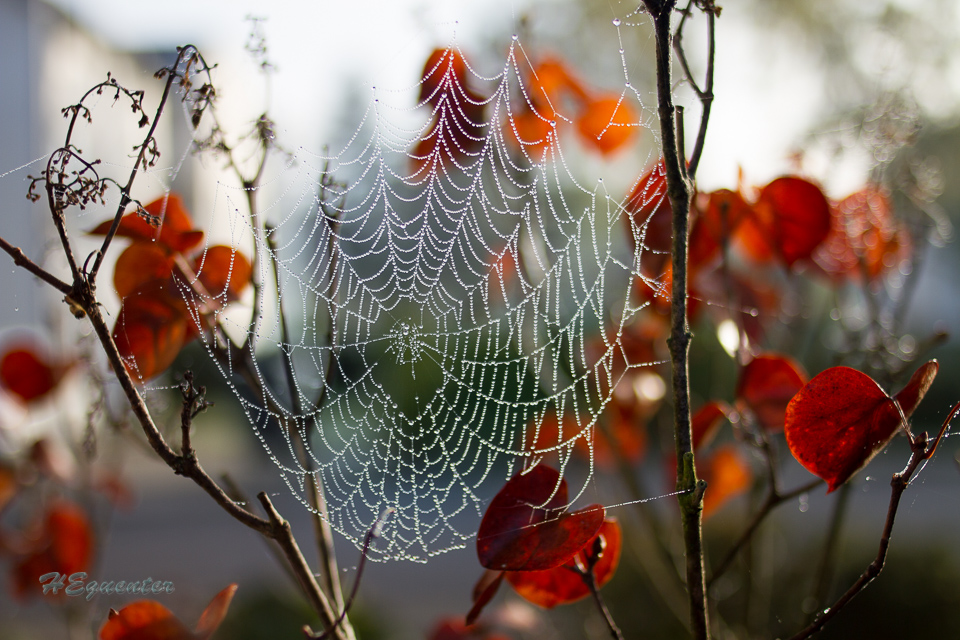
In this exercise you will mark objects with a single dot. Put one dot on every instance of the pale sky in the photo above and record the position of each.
(324, 48)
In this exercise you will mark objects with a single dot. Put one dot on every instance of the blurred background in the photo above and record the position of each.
(836, 90)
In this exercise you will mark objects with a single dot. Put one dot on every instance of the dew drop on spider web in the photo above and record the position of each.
(471, 291)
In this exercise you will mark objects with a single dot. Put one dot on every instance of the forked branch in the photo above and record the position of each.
(921, 449)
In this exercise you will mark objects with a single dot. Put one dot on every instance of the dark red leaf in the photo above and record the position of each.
(842, 418)
(712, 229)
(27, 373)
(707, 420)
(563, 585)
(911, 395)
(767, 384)
(525, 528)
(651, 214)
(483, 593)
(790, 220)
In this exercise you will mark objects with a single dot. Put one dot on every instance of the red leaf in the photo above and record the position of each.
(150, 620)
(223, 271)
(724, 212)
(454, 629)
(767, 384)
(524, 528)
(456, 132)
(865, 239)
(151, 329)
(140, 263)
(215, 612)
(563, 585)
(26, 373)
(706, 421)
(8, 489)
(727, 475)
(911, 395)
(175, 232)
(65, 546)
(790, 220)
(842, 418)
(144, 620)
(441, 67)
(607, 123)
(651, 214)
(483, 593)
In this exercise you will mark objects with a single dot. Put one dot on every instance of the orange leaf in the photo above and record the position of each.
(215, 612)
(144, 620)
(224, 272)
(532, 131)
(563, 585)
(551, 80)
(64, 546)
(175, 231)
(150, 620)
(727, 475)
(607, 123)
(151, 329)
(140, 263)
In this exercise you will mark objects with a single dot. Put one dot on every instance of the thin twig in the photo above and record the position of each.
(371, 534)
(921, 449)
(586, 574)
(773, 499)
(705, 94)
(140, 161)
(189, 466)
(292, 552)
(20, 259)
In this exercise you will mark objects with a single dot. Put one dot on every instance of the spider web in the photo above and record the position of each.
(453, 314)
